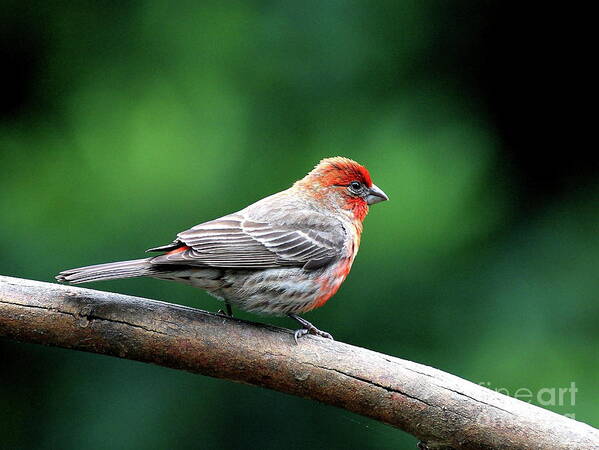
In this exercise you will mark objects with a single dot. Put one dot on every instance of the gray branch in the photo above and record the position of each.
(438, 408)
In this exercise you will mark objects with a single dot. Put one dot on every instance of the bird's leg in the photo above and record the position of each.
(228, 312)
(307, 327)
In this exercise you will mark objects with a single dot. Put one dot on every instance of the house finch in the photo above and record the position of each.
(284, 255)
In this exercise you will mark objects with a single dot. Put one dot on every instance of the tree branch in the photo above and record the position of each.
(440, 409)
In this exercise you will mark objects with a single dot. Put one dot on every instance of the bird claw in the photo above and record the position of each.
(308, 328)
(299, 333)
(323, 334)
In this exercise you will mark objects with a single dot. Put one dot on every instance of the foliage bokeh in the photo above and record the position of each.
(138, 120)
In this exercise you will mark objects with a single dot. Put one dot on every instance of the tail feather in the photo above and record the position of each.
(109, 271)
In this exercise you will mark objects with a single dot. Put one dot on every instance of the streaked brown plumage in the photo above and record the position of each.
(285, 254)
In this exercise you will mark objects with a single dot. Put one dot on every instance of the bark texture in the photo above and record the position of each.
(440, 409)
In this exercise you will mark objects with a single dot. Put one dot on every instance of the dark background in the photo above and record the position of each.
(123, 123)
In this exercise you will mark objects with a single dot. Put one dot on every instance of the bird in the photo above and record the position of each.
(283, 255)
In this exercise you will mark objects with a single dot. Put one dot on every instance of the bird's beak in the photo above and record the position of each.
(376, 195)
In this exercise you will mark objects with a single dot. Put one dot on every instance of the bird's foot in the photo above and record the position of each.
(308, 328)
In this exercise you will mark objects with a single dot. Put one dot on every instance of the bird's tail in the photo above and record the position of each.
(109, 271)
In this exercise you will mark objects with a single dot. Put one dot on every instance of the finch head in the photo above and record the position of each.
(342, 183)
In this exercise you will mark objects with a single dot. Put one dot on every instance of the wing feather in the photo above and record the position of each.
(235, 241)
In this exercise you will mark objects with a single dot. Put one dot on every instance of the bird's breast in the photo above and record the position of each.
(332, 279)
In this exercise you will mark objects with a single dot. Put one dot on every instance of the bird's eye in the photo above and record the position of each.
(355, 186)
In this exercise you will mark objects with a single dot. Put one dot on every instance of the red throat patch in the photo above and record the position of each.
(359, 207)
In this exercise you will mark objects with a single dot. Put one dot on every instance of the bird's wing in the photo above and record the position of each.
(237, 241)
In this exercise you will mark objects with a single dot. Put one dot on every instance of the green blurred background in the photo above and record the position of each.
(124, 122)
